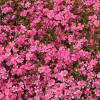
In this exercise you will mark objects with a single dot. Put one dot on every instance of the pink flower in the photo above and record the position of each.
(81, 84)
(96, 6)
(36, 20)
(29, 55)
(14, 89)
(58, 1)
(93, 62)
(77, 93)
(64, 73)
(23, 13)
(47, 59)
(44, 69)
(71, 38)
(98, 55)
(96, 83)
(88, 2)
(2, 37)
(90, 75)
(96, 23)
(98, 75)
(1, 95)
(1, 49)
(20, 41)
(27, 4)
(90, 98)
(50, 14)
(6, 10)
(59, 16)
(97, 92)
(51, 82)
(87, 92)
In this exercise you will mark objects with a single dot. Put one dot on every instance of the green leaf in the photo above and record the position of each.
(76, 64)
(67, 45)
(38, 63)
(83, 17)
(39, 55)
(86, 48)
(46, 39)
(75, 74)
(2, 2)
(50, 31)
(49, 36)
(16, 6)
(4, 63)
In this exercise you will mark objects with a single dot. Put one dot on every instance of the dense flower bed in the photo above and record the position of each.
(49, 50)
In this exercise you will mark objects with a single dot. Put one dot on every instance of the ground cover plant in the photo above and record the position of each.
(49, 50)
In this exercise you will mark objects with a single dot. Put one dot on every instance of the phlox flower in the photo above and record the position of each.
(77, 93)
(97, 92)
(7, 10)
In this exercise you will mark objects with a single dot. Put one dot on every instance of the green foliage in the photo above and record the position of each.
(38, 63)
(67, 45)
(86, 48)
(85, 30)
(96, 48)
(75, 75)
(24, 47)
(4, 63)
(16, 6)
(83, 17)
(39, 55)
(49, 36)
(2, 15)
(76, 64)
(75, 7)
(2, 2)
(46, 39)
(40, 58)
(21, 20)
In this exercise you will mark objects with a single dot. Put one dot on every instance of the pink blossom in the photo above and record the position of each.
(87, 92)
(23, 13)
(77, 93)
(1, 95)
(43, 68)
(98, 55)
(6, 10)
(98, 75)
(51, 14)
(71, 38)
(97, 92)
(96, 83)
(27, 4)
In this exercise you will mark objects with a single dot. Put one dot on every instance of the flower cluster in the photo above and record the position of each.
(49, 50)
